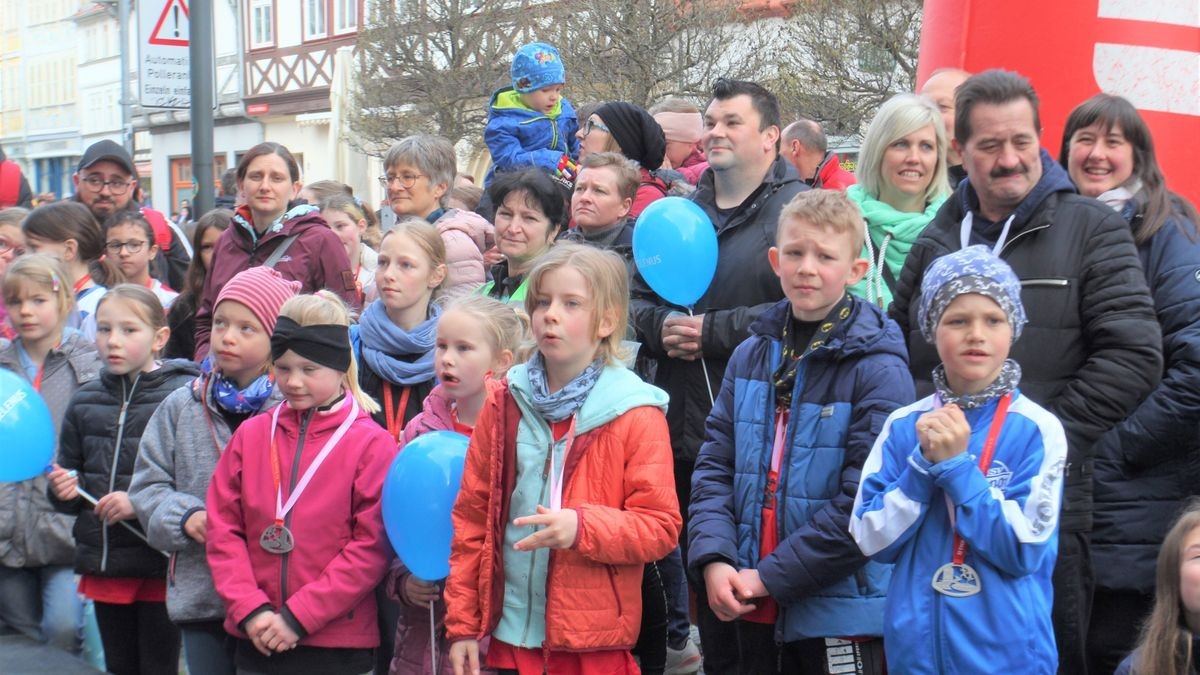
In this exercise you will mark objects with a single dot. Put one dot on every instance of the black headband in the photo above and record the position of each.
(326, 344)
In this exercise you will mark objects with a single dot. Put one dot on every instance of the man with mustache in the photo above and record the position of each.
(743, 191)
(106, 182)
(1092, 348)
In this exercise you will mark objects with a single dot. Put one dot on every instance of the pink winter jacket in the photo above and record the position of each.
(466, 235)
(341, 552)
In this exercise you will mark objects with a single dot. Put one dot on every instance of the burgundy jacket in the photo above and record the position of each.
(316, 259)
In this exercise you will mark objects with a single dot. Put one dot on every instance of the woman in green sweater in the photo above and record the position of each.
(901, 185)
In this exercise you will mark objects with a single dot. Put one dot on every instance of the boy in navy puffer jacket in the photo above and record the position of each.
(962, 490)
(801, 403)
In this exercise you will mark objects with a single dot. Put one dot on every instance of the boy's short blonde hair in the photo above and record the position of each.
(828, 209)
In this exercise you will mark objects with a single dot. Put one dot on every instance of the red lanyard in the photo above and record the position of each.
(557, 476)
(82, 283)
(37, 380)
(393, 416)
(985, 461)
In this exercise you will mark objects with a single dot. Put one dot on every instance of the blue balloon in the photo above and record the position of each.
(26, 428)
(418, 496)
(675, 249)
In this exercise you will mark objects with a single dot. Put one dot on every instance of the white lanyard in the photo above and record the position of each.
(964, 234)
(282, 509)
(556, 475)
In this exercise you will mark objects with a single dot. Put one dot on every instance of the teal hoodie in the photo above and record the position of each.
(523, 618)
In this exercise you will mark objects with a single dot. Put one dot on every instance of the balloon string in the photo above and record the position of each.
(703, 365)
(433, 638)
(92, 500)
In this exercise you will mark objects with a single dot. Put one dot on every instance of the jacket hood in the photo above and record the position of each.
(1054, 179)
(507, 101)
(616, 392)
(168, 369)
(469, 223)
(866, 331)
(296, 219)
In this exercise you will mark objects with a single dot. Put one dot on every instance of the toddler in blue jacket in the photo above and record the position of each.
(531, 123)
(802, 401)
(962, 490)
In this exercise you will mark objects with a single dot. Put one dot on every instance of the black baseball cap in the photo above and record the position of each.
(107, 150)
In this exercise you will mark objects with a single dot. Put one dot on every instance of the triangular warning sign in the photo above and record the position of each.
(171, 29)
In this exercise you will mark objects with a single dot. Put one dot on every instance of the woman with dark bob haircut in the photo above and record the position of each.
(272, 217)
(1148, 464)
(531, 208)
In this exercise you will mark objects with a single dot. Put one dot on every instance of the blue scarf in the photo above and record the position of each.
(228, 397)
(565, 402)
(384, 341)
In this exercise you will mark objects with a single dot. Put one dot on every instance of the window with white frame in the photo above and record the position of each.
(315, 23)
(345, 16)
(262, 23)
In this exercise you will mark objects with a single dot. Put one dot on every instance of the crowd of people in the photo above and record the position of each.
(938, 415)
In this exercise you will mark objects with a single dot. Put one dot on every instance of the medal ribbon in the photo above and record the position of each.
(394, 417)
(985, 462)
(556, 475)
(282, 509)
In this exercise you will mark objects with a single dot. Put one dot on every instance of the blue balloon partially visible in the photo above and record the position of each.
(675, 249)
(418, 495)
(26, 428)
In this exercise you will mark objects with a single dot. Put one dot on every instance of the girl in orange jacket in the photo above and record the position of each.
(568, 489)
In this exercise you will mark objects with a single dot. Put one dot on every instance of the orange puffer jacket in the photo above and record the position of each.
(618, 477)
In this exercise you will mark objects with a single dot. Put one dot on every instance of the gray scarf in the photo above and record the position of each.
(1006, 381)
(565, 402)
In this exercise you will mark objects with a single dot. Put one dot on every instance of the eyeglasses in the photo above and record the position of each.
(589, 125)
(115, 186)
(133, 246)
(405, 181)
(6, 246)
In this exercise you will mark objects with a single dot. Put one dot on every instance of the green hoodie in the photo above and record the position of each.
(523, 618)
(899, 228)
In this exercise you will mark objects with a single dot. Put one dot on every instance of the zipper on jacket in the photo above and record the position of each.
(287, 519)
(126, 398)
(1057, 283)
(542, 498)
(1010, 242)
(612, 581)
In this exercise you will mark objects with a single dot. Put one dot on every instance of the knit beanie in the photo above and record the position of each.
(537, 65)
(262, 290)
(682, 127)
(974, 269)
(640, 137)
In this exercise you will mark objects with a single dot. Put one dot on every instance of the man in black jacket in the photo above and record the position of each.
(743, 191)
(1092, 348)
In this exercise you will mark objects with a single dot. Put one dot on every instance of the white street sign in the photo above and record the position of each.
(164, 69)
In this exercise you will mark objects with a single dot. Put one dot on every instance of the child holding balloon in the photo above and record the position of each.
(181, 446)
(295, 536)
(476, 340)
(567, 490)
(39, 597)
(122, 575)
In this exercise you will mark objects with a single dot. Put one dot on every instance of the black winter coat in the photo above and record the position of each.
(1092, 348)
(1149, 464)
(100, 434)
(742, 288)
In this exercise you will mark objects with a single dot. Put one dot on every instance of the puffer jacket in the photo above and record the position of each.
(466, 235)
(32, 532)
(316, 258)
(100, 437)
(831, 175)
(844, 392)
(619, 481)
(176, 459)
(1149, 464)
(1092, 348)
(519, 137)
(742, 288)
(324, 586)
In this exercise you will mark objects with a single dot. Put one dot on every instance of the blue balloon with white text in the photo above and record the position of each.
(675, 249)
(26, 428)
(418, 495)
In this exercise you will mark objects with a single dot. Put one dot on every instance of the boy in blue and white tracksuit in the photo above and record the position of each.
(974, 548)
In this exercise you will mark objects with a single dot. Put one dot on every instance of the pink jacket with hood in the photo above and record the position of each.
(466, 235)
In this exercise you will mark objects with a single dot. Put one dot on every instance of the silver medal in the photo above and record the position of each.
(957, 580)
(276, 539)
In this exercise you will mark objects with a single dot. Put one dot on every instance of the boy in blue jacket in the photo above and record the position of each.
(802, 400)
(962, 490)
(531, 123)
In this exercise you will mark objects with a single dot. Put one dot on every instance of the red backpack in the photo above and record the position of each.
(10, 183)
(162, 230)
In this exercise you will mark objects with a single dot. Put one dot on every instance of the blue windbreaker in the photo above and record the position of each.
(1009, 520)
(520, 138)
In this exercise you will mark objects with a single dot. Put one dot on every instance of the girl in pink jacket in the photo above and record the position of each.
(295, 534)
(476, 340)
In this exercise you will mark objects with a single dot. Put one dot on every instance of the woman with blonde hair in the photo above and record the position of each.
(901, 185)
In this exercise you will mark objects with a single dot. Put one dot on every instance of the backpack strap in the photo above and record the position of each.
(162, 231)
(280, 250)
